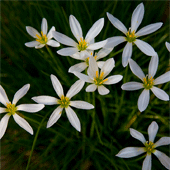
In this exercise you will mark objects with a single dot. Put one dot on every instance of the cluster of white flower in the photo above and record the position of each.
(83, 50)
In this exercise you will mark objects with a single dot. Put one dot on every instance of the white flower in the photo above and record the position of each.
(12, 109)
(99, 80)
(167, 46)
(148, 82)
(149, 147)
(83, 65)
(83, 44)
(132, 35)
(64, 102)
(41, 39)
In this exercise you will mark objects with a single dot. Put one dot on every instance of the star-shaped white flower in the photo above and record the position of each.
(132, 35)
(83, 44)
(41, 39)
(85, 58)
(99, 80)
(167, 46)
(12, 109)
(148, 82)
(149, 147)
(64, 102)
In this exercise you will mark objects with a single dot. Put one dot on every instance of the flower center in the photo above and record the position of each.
(11, 108)
(64, 102)
(82, 45)
(42, 39)
(130, 36)
(149, 147)
(99, 79)
(148, 82)
(87, 60)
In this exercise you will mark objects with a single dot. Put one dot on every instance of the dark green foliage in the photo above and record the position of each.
(105, 129)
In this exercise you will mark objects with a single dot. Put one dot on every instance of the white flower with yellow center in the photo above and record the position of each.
(83, 44)
(12, 109)
(99, 80)
(167, 46)
(149, 148)
(85, 58)
(132, 35)
(148, 83)
(41, 39)
(64, 102)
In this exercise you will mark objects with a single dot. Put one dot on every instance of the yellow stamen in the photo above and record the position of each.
(96, 74)
(101, 74)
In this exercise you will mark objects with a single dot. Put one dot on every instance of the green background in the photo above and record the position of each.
(105, 129)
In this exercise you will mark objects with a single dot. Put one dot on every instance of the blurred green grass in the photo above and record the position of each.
(61, 146)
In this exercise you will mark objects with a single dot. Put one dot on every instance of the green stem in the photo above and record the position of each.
(93, 116)
(35, 139)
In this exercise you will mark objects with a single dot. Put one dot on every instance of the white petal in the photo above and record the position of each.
(95, 30)
(162, 141)
(3, 97)
(149, 29)
(80, 57)
(147, 163)
(32, 44)
(30, 107)
(153, 65)
(152, 131)
(97, 45)
(53, 43)
(78, 67)
(3, 125)
(23, 123)
(32, 31)
(116, 23)
(137, 17)
(167, 46)
(100, 64)
(159, 93)
(67, 51)
(130, 152)
(39, 46)
(75, 88)
(113, 79)
(145, 47)
(163, 78)
(127, 53)
(20, 93)
(136, 69)
(114, 41)
(75, 27)
(130, 86)
(50, 33)
(2, 110)
(47, 100)
(107, 67)
(103, 53)
(93, 68)
(54, 116)
(164, 159)
(83, 77)
(44, 26)
(63, 39)
(57, 85)
(72, 117)
(143, 100)
(81, 105)
(103, 90)
(84, 54)
(91, 88)
(137, 135)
